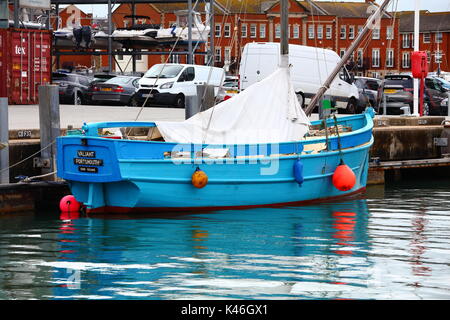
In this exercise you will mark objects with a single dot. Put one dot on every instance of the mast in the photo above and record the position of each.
(416, 48)
(284, 42)
(344, 59)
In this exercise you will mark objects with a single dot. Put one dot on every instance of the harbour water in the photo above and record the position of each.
(392, 243)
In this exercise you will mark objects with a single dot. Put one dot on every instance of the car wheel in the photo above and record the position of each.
(180, 101)
(301, 99)
(351, 106)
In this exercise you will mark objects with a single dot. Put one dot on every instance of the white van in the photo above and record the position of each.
(170, 83)
(310, 68)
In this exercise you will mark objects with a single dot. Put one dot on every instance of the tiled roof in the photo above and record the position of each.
(429, 21)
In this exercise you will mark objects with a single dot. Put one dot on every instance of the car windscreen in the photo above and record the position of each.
(119, 80)
(163, 71)
(405, 83)
(64, 77)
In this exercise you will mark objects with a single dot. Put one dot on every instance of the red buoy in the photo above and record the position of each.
(344, 178)
(69, 204)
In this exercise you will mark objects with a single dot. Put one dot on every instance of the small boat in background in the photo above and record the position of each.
(179, 31)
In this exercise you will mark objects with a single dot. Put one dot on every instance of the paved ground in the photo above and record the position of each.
(27, 116)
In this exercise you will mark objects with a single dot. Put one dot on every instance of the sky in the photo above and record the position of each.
(402, 5)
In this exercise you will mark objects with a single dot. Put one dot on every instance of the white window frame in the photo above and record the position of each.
(320, 32)
(296, 31)
(405, 40)
(390, 33)
(406, 60)
(262, 30)
(244, 30)
(277, 31)
(227, 55)
(218, 30)
(426, 37)
(227, 30)
(438, 39)
(343, 32)
(351, 32)
(377, 56)
(311, 32)
(376, 33)
(389, 58)
(217, 57)
(328, 31)
(253, 30)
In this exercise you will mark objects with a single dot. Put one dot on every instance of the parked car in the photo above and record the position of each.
(73, 87)
(120, 89)
(368, 92)
(399, 91)
(98, 78)
(227, 90)
(444, 83)
(168, 84)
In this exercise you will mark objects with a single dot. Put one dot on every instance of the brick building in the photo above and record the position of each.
(434, 38)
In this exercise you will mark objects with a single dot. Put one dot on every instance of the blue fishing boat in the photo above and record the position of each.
(256, 149)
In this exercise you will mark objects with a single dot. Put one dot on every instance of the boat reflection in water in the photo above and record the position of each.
(264, 252)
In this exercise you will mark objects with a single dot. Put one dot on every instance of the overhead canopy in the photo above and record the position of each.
(266, 112)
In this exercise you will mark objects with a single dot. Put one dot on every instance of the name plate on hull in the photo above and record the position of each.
(88, 162)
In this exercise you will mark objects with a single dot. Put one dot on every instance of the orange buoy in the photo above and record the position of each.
(69, 204)
(344, 178)
(199, 178)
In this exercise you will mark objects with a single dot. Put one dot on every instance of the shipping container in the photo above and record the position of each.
(25, 64)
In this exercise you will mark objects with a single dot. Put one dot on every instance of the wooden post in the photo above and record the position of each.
(4, 141)
(49, 123)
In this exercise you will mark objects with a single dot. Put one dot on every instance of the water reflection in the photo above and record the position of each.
(394, 246)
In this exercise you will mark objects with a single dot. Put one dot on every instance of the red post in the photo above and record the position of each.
(419, 66)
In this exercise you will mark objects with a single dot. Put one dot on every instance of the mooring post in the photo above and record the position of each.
(4, 141)
(49, 122)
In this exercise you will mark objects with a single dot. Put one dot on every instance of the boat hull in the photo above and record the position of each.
(135, 176)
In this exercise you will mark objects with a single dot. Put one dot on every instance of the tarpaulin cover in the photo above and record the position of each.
(266, 112)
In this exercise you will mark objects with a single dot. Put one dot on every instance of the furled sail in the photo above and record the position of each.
(266, 112)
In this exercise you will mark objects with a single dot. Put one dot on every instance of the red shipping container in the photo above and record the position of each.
(25, 64)
(419, 64)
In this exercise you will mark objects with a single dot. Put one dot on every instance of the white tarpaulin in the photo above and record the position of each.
(266, 112)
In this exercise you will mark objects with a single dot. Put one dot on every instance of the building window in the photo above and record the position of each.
(277, 31)
(227, 55)
(244, 30)
(343, 34)
(217, 54)
(342, 52)
(360, 58)
(406, 62)
(262, 30)
(426, 37)
(360, 29)
(227, 30)
(328, 31)
(411, 36)
(405, 40)
(376, 33)
(296, 31)
(389, 33)
(253, 30)
(310, 32)
(438, 37)
(218, 30)
(389, 58)
(174, 58)
(319, 32)
(351, 32)
(375, 57)
(429, 56)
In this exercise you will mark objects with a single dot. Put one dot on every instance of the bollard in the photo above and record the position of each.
(4, 141)
(384, 105)
(49, 122)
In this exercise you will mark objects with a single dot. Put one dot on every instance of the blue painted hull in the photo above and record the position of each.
(135, 176)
